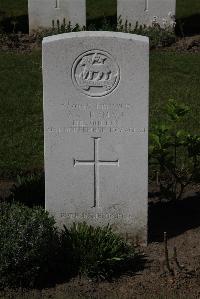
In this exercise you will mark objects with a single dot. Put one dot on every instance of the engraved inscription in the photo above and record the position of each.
(83, 216)
(96, 163)
(97, 114)
(95, 73)
(97, 106)
(98, 129)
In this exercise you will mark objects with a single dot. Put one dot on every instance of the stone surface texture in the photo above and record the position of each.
(96, 130)
(43, 12)
(147, 12)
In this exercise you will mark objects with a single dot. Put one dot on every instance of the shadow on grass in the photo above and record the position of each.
(131, 266)
(65, 270)
(20, 23)
(14, 24)
(29, 190)
(105, 23)
(188, 26)
(173, 217)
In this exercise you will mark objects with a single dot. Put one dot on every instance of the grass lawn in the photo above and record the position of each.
(171, 76)
(187, 8)
(100, 8)
(175, 76)
(95, 8)
(13, 8)
(21, 134)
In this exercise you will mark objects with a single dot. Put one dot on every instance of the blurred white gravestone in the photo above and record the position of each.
(43, 13)
(147, 12)
(96, 129)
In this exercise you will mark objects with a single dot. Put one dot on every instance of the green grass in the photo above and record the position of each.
(14, 8)
(171, 76)
(101, 8)
(21, 121)
(187, 8)
(175, 76)
(97, 8)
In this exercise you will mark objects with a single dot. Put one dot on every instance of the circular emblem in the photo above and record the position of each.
(95, 73)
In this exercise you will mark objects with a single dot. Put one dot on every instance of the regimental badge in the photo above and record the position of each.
(95, 73)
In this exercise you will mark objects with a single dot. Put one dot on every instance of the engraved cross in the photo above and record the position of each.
(96, 163)
(57, 4)
(146, 5)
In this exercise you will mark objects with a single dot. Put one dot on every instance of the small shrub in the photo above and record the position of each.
(57, 28)
(29, 246)
(158, 36)
(174, 153)
(97, 252)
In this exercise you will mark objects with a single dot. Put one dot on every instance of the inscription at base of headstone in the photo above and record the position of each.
(96, 130)
(147, 12)
(47, 13)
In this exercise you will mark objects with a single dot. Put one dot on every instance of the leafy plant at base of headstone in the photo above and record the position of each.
(175, 153)
(97, 252)
(64, 27)
(158, 36)
(57, 28)
(29, 190)
(29, 245)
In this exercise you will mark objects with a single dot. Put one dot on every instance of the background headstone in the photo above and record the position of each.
(147, 12)
(96, 129)
(43, 12)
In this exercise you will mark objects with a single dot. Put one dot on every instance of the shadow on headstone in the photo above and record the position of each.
(188, 26)
(14, 24)
(173, 217)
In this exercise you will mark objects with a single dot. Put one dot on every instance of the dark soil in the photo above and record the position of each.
(24, 43)
(181, 221)
(187, 44)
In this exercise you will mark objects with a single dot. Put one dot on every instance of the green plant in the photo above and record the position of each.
(174, 153)
(97, 252)
(29, 190)
(29, 246)
(57, 28)
(158, 36)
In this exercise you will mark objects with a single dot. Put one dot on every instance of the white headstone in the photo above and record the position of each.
(147, 12)
(43, 12)
(96, 129)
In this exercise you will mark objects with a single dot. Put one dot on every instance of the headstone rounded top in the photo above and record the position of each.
(103, 34)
